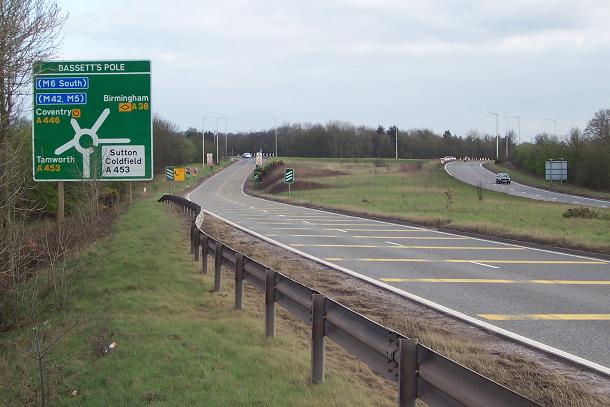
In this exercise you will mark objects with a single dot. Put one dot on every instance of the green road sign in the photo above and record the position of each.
(92, 120)
(289, 175)
(169, 173)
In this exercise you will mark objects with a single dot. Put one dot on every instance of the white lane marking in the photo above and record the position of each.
(483, 264)
(395, 244)
(341, 230)
(304, 221)
(282, 216)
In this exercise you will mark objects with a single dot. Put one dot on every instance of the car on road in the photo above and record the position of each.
(502, 178)
(246, 155)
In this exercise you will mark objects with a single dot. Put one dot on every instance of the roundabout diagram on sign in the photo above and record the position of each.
(95, 141)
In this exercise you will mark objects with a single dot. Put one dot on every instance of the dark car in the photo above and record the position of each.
(503, 178)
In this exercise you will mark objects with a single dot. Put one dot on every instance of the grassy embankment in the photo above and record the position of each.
(177, 343)
(525, 178)
(420, 191)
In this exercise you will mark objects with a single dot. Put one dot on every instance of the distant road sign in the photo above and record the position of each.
(289, 175)
(179, 174)
(92, 120)
(169, 173)
(210, 159)
(556, 170)
(259, 158)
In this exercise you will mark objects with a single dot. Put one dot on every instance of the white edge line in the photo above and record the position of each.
(456, 314)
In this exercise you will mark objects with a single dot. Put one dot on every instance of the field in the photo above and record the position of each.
(177, 343)
(420, 191)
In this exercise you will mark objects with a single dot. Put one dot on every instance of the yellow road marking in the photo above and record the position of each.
(302, 236)
(531, 261)
(386, 260)
(446, 280)
(399, 260)
(491, 281)
(410, 247)
(336, 245)
(411, 237)
(340, 224)
(384, 230)
(297, 229)
(547, 317)
(458, 247)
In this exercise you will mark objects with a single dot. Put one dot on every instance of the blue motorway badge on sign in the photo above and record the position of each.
(61, 98)
(62, 83)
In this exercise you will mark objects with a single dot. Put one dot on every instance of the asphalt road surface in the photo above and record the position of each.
(473, 173)
(559, 299)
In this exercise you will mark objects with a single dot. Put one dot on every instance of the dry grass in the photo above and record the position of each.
(536, 375)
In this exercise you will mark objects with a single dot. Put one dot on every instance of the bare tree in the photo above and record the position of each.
(29, 32)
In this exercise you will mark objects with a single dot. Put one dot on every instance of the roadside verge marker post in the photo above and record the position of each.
(317, 338)
(270, 303)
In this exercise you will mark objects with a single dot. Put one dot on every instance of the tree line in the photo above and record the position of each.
(587, 153)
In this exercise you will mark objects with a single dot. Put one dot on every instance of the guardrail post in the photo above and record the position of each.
(407, 381)
(318, 311)
(217, 266)
(196, 241)
(270, 304)
(239, 281)
(204, 254)
(192, 238)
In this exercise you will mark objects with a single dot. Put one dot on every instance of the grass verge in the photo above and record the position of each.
(420, 191)
(177, 343)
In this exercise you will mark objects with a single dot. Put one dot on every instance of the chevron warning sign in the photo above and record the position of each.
(289, 175)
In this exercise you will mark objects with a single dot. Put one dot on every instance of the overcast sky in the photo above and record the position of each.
(437, 64)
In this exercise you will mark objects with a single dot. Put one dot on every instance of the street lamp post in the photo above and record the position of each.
(203, 158)
(226, 121)
(396, 140)
(274, 118)
(217, 120)
(497, 134)
(554, 121)
(519, 129)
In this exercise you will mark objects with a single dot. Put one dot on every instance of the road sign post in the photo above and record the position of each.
(92, 121)
(289, 178)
